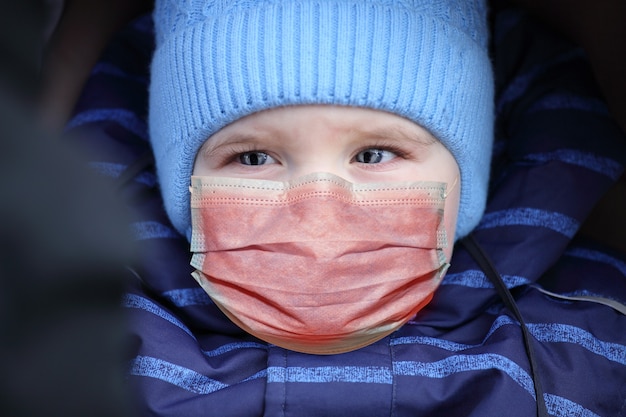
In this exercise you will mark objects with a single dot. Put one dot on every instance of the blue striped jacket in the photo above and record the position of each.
(557, 152)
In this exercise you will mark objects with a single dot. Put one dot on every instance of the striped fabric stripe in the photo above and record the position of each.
(114, 170)
(562, 333)
(477, 279)
(521, 84)
(231, 347)
(567, 101)
(125, 118)
(142, 303)
(599, 164)
(186, 297)
(326, 374)
(597, 256)
(531, 217)
(562, 407)
(176, 375)
(464, 363)
(153, 230)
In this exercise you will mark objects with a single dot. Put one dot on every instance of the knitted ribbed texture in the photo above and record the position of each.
(217, 61)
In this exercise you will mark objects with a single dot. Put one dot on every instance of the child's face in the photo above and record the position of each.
(358, 144)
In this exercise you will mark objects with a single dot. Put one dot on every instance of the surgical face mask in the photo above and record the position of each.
(318, 265)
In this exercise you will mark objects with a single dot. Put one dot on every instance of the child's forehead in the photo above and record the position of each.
(290, 121)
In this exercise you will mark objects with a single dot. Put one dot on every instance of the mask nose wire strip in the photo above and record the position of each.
(490, 271)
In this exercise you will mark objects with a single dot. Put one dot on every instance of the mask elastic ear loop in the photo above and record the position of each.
(449, 190)
(492, 273)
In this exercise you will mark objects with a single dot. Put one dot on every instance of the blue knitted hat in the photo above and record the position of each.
(218, 61)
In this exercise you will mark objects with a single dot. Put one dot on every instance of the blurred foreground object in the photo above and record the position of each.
(63, 247)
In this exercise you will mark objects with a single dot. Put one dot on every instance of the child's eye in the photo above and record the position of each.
(254, 158)
(374, 156)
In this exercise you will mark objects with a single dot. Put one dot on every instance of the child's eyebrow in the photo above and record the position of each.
(214, 143)
(240, 138)
(395, 133)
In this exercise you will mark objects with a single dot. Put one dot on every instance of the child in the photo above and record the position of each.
(316, 110)
(463, 353)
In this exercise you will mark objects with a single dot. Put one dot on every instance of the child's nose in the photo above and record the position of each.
(326, 166)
